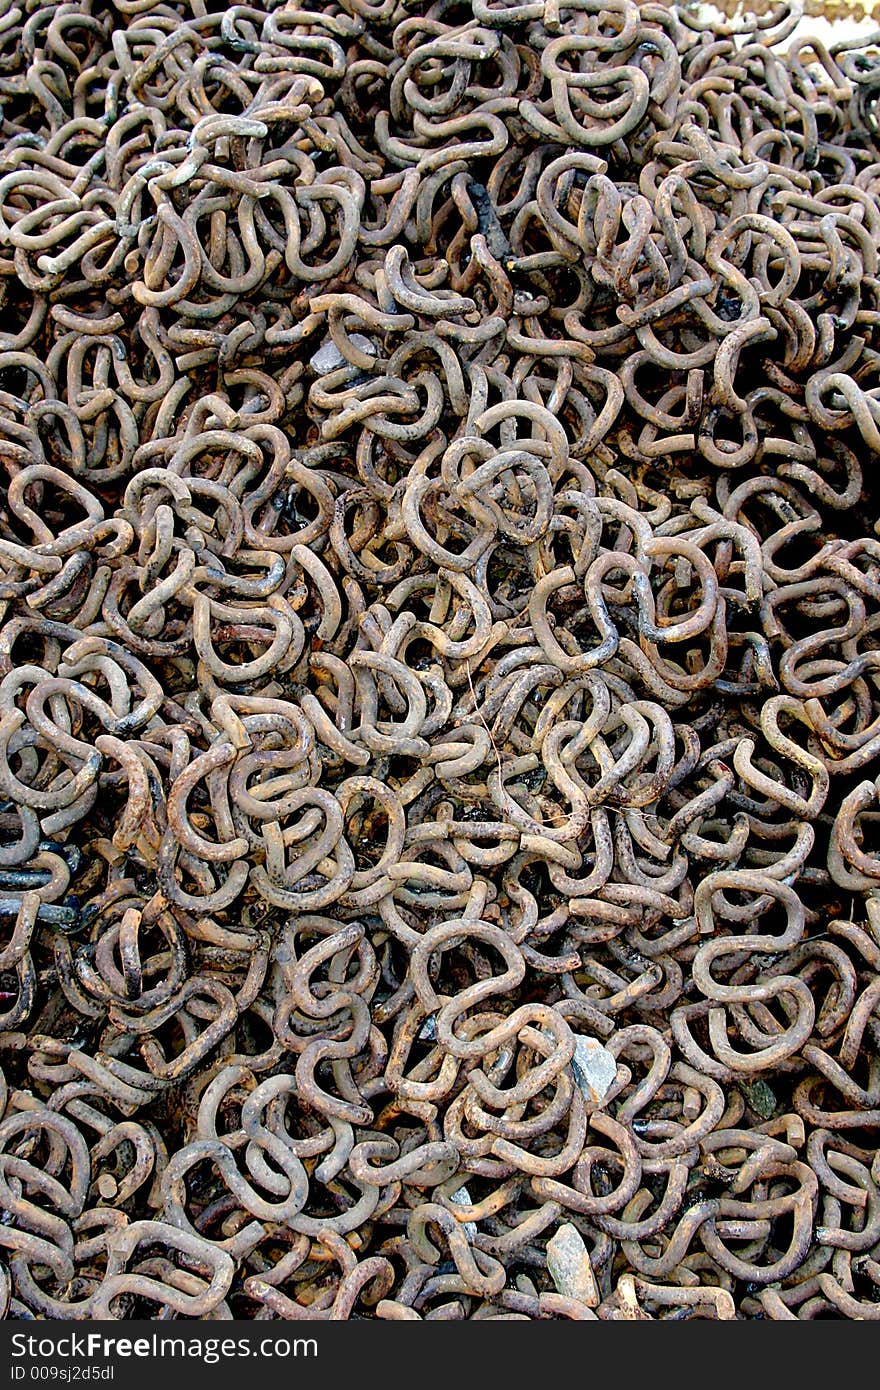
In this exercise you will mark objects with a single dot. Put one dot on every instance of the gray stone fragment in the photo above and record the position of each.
(462, 1198)
(568, 1264)
(328, 357)
(594, 1067)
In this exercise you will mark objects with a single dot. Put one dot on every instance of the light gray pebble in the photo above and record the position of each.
(594, 1067)
(568, 1264)
(462, 1198)
(328, 357)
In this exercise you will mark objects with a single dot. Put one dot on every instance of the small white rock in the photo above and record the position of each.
(594, 1067)
(462, 1198)
(568, 1264)
(428, 1030)
(328, 357)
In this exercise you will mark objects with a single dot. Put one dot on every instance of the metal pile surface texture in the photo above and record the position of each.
(439, 662)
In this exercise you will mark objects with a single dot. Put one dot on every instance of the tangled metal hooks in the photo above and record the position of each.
(439, 704)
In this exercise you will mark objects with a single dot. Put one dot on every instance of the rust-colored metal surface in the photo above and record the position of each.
(439, 710)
